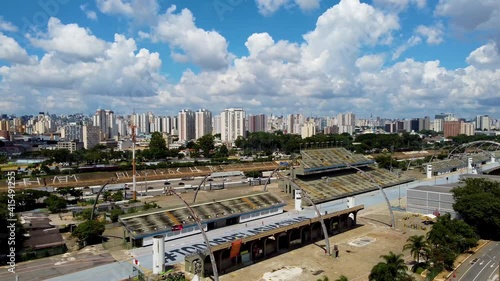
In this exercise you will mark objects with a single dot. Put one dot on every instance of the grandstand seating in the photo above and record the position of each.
(157, 220)
(322, 159)
(448, 165)
(331, 188)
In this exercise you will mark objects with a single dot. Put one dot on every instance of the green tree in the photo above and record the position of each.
(206, 143)
(222, 152)
(157, 146)
(55, 203)
(77, 193)
(115, 213)
(449, 238)
(417, 245)
(117, 196)
(89, 231)
(478, 202)
(384, 161)
(342, 278)
(86, 213)
(392, 269)
(106, 196)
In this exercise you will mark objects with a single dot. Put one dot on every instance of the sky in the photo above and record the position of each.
(389, 58)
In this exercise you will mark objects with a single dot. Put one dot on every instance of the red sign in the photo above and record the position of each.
(235, 249)
(177, 227)
(135, 262)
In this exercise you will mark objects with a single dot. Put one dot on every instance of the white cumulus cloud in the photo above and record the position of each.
(269, 7)
(69, 39)
(207, 49)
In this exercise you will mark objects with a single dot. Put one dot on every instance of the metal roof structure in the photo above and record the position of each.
(334, 187)
(162, 220)
(316, 161)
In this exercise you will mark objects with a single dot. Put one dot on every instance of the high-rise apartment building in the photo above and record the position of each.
(308, 129)
(203, 123)
(451, 128)
(186, 125)
(257, 123)
(483, 123)
(232, 124)
(467, 129)
(91, 136)
(106, 121)
(72, 132)
(294, 123)
(346, 123)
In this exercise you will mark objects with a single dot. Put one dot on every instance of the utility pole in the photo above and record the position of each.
(134, 186)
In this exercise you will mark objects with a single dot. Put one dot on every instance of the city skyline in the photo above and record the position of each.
(376, 57)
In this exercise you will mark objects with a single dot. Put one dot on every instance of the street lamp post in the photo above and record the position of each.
(205, 238)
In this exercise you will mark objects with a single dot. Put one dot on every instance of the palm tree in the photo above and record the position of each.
(342, 278)
(380, 272)
(417, 246)
(393, 269)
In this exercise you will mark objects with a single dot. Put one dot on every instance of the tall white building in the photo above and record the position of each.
(122, 126)
(91, 136)
(203, 123)
(483, 123)
(467, 129)
(232, 124)
(308, 129)
(438, 125)
(71, 132)
(186, 123)
(346, 123)
(294, 123)
(106, 121)
(216, 125)
(166, 125)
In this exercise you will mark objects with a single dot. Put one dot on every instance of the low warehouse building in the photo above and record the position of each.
(436, 200)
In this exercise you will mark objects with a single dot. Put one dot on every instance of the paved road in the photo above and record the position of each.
(175, 251)
(481, 266)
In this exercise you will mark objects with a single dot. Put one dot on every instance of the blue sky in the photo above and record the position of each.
(391, 58)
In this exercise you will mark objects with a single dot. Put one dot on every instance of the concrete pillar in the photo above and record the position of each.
(158, 254)
(298, 200)
(429, 171)
(493, 158)
(351, 202)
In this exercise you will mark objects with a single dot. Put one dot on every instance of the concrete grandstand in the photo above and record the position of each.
(325, 175)
(178, 222)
